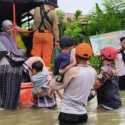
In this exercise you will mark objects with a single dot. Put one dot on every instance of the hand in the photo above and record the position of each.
(52, 84)
(50, 92)
(97, 84)
(57, 45)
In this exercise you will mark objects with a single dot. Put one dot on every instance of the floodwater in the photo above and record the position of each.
(49, 116)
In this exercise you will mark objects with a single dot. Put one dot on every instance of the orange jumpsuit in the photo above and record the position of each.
(43, 41)
(43, 46)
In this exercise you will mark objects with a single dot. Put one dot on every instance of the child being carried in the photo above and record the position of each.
(40, 80)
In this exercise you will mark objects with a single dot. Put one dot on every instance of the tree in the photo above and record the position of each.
(74, 29)
(104, 21)
(78, 13)
(100, 21)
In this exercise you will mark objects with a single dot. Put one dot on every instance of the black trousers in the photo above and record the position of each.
(122, 82)
(72, 119)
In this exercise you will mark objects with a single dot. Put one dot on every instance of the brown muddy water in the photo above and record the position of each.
(49, 117)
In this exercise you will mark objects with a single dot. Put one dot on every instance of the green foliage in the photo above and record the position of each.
(105, 21)
(111, 18)
(100, 21)
(95, 61)
(75, 30)
(77, 14)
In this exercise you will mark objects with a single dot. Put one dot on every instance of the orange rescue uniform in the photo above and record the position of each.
(43, 41)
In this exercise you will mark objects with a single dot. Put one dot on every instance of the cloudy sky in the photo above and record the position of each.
(71, 5)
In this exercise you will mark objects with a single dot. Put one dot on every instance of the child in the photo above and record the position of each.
(39, 79)
(108, 91)
(66, 59)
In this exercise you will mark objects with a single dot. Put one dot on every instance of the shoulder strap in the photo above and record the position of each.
(47, 18)
(44, 16)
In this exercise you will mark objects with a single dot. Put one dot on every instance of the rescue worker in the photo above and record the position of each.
(46, 30)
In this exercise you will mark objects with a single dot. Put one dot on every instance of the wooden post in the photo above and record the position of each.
(14, 20)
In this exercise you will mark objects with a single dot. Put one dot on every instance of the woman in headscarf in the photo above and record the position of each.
(6, 37)
(10, 76)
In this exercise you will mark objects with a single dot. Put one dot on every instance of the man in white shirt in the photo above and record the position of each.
(78, 82)
(120, 64)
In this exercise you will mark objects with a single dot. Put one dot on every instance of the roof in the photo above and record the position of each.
(22, 6)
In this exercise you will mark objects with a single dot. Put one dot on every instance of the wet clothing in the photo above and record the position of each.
(81, 80)
(108, 94)
(10, 80)
(46, 102)
(10, 77)
(72, 119)
(77, 92)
